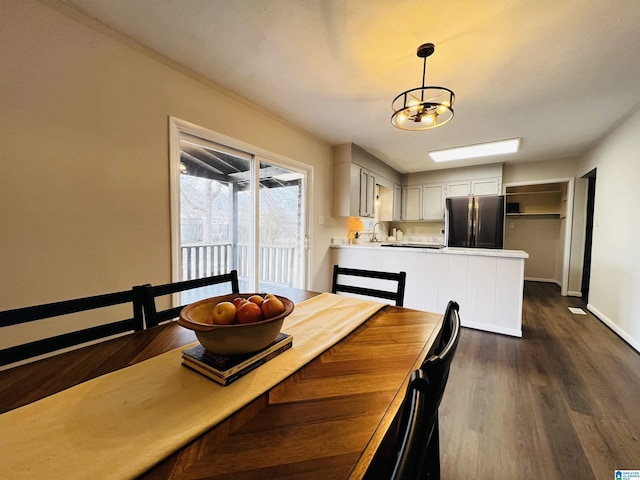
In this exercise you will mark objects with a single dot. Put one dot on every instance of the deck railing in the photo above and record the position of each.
(277, 263)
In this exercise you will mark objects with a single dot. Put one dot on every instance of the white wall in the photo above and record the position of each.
(540, 238)
(614, 291)
(84, 170)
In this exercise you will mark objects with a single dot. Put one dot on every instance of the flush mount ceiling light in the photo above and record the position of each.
(474, 151)
(423, 107)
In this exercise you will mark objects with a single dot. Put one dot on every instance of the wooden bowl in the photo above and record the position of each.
(233, 339)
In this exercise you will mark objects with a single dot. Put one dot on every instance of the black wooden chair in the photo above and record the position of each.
(396, 295)
(416, 451)
(415, 429)
(436, 368)
(74, 338)
(153, 317)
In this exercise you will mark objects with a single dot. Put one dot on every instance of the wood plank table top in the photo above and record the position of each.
(325, 421)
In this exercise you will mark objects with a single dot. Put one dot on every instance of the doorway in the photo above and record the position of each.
(588, 236)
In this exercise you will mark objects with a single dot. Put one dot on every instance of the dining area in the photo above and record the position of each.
(355, 396)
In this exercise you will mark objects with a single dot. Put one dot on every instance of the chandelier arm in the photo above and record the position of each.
(424, 76)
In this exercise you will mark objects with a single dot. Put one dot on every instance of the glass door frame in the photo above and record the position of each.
(176, 128)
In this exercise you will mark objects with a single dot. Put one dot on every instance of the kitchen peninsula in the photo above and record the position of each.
(487, 283)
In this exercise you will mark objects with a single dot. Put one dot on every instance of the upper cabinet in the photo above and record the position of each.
(360, 179)
(411, 203)
(356, 176)
(390, 209)
(459, 188)
(423, 203)
(475, 186)
(367, 193)
(397, 202)
(433, 202)
(486, 186)
(353, 192)
(426, 202)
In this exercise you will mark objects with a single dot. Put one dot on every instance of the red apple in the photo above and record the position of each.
(224, 313)
(257, 299)
(239, 301)
(249, 312)
(272, 306)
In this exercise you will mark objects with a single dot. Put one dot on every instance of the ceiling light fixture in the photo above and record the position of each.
(424, 107)
(474, 151)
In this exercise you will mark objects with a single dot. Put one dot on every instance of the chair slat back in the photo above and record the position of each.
(415, 454)
(77, 337)
(416, 429)
(154, 317)
(396, 295)
(437, 366)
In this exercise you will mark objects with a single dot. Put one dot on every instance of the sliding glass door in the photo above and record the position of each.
(281, 233)
(236, 210)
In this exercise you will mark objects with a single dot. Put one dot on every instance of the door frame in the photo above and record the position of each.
(178, 126)
(591, 177)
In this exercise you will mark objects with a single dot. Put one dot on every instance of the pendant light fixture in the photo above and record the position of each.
(424, 107)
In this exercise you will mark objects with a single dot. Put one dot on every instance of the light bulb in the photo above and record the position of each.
(413, 106)
(429, 118)
(402, 117)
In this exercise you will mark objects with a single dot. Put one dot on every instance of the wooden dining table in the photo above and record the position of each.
(331, 419)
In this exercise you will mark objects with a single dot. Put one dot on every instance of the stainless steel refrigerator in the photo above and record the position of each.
(475, 221)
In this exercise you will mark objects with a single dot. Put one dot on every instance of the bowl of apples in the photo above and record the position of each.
(237, 323)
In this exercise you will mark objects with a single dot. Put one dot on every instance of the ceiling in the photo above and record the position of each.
(558, 74)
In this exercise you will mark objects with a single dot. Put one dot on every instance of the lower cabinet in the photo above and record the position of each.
(488, 289)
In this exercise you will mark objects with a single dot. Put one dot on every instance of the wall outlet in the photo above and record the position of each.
(321, 220)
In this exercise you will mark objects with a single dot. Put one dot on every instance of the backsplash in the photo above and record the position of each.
(427, 232)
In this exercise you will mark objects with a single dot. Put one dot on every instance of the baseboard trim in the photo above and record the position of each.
(543, 280)
(616, 329)
(574, 294)
(512, 332)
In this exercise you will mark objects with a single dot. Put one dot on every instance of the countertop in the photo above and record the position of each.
(477, 252)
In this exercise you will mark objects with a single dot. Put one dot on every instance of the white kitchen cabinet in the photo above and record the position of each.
(486, 186)
(390, 207)
(477, 186)
(433, 202)
(356, 177)
(412, 203)
(423, 202)
(367, 193)
(397, 203)
(354, 190)
(460, 188)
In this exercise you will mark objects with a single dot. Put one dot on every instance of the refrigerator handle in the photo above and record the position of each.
(470, 221)
(476, 221)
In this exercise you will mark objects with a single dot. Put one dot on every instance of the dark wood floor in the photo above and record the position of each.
(563, 402)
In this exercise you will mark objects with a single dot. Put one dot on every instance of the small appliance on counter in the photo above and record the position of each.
(513, 207)
(475, 221)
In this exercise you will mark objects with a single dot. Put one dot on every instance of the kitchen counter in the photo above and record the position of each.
(487, 283)
(484, 252)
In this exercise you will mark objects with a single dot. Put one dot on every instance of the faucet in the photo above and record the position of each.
(373, 232)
